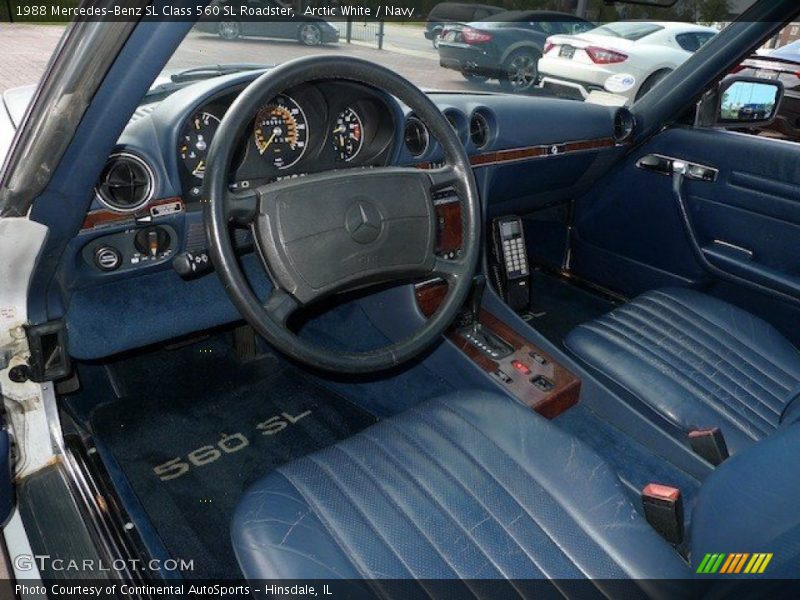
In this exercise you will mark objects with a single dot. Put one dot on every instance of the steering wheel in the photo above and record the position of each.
(339, 230)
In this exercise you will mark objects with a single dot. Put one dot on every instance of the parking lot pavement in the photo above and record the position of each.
(409, 39)
(24, 52)
(421, 68)
(26, 49)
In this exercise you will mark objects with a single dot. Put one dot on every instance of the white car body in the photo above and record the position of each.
(652, 55)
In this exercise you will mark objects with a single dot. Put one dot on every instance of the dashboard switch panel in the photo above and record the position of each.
(131, 249)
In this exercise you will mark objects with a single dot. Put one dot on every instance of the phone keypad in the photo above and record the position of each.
(515, 256)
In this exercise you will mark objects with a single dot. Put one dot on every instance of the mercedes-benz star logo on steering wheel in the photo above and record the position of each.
(363, 222)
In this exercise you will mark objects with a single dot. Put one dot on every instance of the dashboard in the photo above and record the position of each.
(146, 219)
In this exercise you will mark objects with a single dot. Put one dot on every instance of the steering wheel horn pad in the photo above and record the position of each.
(329, 232)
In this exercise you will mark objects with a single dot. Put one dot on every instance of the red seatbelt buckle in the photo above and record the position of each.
(663, 508)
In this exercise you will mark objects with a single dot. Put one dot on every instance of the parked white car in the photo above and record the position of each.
(626, 58)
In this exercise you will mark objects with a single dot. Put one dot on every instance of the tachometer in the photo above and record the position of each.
(195, 139)
(281, 132)
(348, 135)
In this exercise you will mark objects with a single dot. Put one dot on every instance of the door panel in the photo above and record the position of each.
(738, 237)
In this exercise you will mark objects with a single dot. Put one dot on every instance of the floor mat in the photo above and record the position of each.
(195, 427)
(386, 393)
(559, 306)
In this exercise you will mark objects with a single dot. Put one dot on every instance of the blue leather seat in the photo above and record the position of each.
(480, 487)
(749, 505)
(473, 486)
(697, 362)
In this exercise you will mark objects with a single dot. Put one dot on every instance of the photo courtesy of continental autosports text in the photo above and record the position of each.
(399, 299)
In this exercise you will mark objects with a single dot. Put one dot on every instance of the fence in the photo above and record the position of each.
(370, 32)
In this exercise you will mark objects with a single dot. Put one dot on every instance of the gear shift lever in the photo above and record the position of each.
(478, 335)
(476, 299)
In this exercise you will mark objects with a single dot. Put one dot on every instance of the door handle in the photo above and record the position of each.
(665, 165)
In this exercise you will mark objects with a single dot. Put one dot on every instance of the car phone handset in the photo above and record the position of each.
(511, 258)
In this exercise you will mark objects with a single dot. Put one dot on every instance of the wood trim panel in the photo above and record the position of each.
(449, 228)
(430, 296)
(532, 152)
(545, 150)
(548, 404)
(567, 386)
(105, 216)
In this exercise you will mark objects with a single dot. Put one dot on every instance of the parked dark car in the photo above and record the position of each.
(310, 31)
(506, 46)
(782, 64)
(753, 112)
(459, 12)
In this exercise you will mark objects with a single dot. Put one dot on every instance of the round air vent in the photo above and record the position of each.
(416, 137)
(452, 119)
(126, 183)
(479, 130)
(624, 125)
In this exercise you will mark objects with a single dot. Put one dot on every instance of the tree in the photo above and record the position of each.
(705, 11)
(715, 11)
(690, 10)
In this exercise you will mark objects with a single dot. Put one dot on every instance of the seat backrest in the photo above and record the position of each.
(751, 504)
(791, 413)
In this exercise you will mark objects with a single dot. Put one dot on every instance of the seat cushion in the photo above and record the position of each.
(697, 361)
(467, 486)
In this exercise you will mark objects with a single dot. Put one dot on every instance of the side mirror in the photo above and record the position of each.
(748, 102)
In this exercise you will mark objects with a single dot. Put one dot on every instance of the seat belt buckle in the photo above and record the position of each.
(709, 444)
(663, 508)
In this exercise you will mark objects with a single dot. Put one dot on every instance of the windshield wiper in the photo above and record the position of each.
(208, 71)
(164, 86)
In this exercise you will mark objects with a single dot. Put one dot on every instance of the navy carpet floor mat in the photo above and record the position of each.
(194, 427)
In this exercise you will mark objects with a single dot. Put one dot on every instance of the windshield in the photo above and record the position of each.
(500, 47)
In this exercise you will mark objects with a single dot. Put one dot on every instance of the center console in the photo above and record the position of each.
(522, 368)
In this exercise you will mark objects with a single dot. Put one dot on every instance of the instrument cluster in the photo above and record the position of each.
(311, 128)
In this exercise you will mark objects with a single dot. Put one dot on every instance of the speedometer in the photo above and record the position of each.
(348, 135)
(195, 139)
(281, 132)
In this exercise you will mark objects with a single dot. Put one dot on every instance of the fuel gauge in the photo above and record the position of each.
(195, 139)
(348, 135)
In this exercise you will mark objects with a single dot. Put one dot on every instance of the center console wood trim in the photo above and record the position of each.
(550, 404)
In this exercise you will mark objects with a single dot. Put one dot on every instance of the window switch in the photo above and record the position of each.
(503, 376)
(543, 383)
(537, 358)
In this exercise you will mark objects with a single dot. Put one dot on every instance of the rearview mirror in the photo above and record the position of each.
(748, 101)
